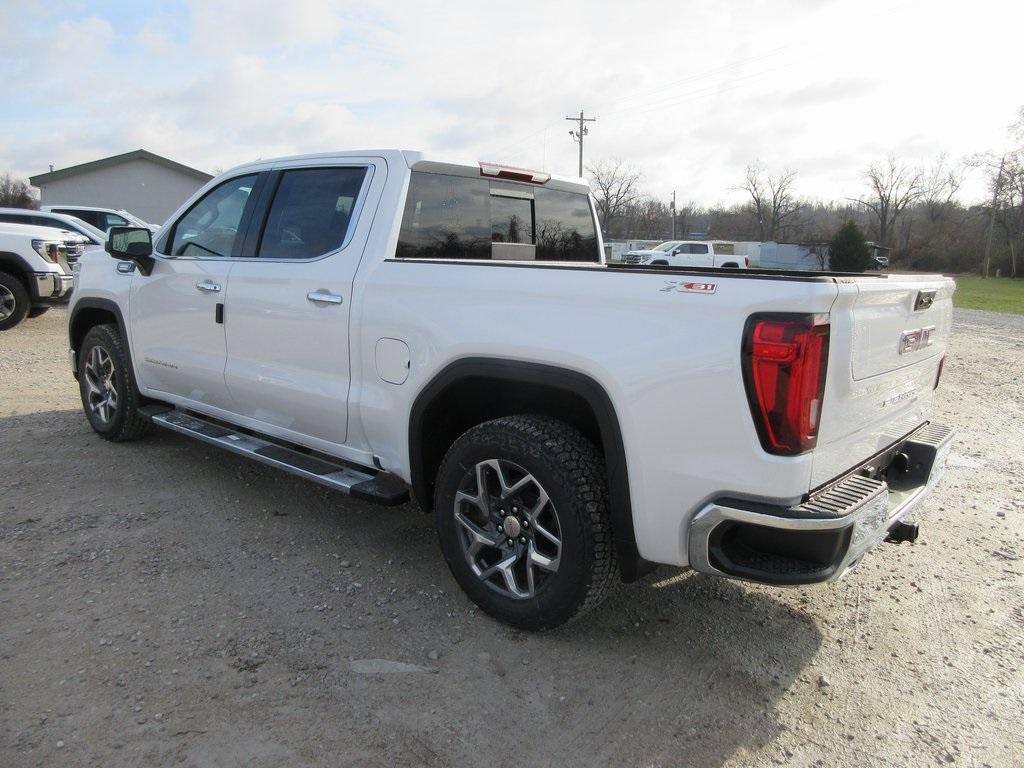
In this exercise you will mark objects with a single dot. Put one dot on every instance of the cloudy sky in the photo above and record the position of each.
(689, 92)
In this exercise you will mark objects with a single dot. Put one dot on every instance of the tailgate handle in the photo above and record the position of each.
(924, 300)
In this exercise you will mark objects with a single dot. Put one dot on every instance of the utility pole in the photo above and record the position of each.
(579, 134)
(992, 218)
(673, 214)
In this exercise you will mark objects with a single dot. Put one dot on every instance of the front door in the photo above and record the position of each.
(287, 314)
(178, 338)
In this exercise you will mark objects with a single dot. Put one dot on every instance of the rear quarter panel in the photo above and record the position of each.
(669, 361)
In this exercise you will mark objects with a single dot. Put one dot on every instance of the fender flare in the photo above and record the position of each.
(20, 268)
(106, 305)
(631, 565)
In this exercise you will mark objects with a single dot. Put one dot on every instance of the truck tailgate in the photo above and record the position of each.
(888, 336)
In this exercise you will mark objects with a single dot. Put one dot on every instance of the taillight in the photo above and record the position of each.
(746, 261)
(784, 363)
(938, 373)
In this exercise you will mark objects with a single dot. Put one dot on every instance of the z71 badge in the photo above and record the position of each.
(677, 286)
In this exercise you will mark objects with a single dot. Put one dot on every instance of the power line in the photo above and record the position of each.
(695, 77)
(580, 133)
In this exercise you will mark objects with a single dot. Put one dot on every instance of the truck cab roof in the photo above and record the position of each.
(416, 160)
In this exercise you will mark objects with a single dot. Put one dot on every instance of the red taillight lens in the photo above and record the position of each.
(938, 373)
(784, 363)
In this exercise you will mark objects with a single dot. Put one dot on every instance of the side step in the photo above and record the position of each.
(381, 488)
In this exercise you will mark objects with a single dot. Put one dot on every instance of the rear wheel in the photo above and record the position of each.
(14, 301)
(521, 514)
(107, 386)
(659, 263)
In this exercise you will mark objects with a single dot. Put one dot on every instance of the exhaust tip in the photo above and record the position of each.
(901, 532)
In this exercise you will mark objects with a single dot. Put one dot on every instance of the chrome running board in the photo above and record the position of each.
(380, 488)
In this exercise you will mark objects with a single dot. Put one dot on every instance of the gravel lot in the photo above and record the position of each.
(166, 604)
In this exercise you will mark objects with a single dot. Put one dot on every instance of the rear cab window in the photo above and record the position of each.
(460, 217)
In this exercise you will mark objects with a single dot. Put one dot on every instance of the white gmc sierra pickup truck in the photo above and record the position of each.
(34, 271)
(688, 253)
(378, 321)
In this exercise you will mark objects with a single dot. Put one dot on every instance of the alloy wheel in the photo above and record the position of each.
(7, 302)
(508, 528)
(99, 380)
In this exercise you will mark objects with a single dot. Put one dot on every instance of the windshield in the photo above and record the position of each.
(88, 228)
(667, 246)
(133, 219)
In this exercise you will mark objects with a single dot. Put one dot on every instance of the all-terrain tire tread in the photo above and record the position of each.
(578, 461)
(133, 425)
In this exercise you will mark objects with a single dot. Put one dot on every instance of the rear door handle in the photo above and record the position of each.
(208, 286)
(323, 297)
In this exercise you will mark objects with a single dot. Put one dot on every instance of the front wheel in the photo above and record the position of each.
(106, 383)
(522, 518)
(14, 301)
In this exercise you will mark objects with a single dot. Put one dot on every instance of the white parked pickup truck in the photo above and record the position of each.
(34, 271)
(689, 253)
(381, 321)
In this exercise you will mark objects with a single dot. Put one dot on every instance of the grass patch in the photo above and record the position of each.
(997, 294)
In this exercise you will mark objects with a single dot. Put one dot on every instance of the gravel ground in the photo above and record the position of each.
(166, 604)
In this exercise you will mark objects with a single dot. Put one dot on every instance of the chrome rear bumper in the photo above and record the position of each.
(824, 537)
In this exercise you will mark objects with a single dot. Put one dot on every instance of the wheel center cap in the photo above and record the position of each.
(511, 526)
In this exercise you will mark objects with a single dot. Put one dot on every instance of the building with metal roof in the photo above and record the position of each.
(148, 185)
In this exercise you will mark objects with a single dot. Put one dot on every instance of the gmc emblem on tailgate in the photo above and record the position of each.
(924, 300)
(919, 338)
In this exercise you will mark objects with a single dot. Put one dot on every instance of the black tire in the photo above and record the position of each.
(14, 300)
(659, 263)
(123, 421)
(731, 265)
(37, 311)
(571, 471)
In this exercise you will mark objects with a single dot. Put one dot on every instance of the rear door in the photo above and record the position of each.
(287, 315)
(888, 335)
(700, 254)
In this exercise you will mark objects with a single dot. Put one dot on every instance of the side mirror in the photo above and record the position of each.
(134, 244)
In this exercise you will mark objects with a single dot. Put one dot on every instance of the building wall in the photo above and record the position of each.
(149, 190)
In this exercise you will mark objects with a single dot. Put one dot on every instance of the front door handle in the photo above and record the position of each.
(324, 297)
(208, 286)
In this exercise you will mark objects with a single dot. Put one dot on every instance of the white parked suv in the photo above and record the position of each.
(34, 272)
(380, 321)
(688, 253)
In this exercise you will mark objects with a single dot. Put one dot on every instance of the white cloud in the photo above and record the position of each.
(690, 92)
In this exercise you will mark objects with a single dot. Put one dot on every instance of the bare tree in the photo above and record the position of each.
(1009, 205)
(894, 187)
(940, 186)
(772, 200)
(15, 193)
(616, 186)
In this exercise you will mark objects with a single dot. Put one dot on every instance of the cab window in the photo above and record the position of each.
(210, 227)
(458, 217)
(311, 213)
